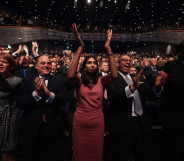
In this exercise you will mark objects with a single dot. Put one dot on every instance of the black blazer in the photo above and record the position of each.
(173, 105)
(33, 111)
(29, 71)
(148, 72)
(120, 111)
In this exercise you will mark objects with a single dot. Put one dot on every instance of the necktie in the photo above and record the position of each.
(137, 102)
(24, 71)
(44, 99)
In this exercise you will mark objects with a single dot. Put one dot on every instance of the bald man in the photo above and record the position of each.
(41, 96)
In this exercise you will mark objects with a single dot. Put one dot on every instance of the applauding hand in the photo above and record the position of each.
(107, 44)
(77, 37)
(160, 80)
(38, 86)
(136, 81)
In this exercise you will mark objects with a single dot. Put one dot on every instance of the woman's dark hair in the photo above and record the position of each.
(84, 76)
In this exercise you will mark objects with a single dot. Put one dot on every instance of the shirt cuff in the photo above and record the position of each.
(36, 97)
(128, 92)
(158, 94)
(51, 98)
(15, 54)
(36, 55)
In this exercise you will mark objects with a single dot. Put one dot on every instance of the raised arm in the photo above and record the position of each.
(73, 65)
(112, 64)
(18, 52)
(34, 47)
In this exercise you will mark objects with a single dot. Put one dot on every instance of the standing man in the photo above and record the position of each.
(129, 121)
(40, 96)
(173, 109)
(149, 70)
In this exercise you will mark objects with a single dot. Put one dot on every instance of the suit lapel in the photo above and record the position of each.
(49, 86)
(122, 80)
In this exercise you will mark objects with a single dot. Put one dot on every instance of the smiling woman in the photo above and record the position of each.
(9, 86)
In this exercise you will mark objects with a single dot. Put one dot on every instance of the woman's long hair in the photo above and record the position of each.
(84, 75)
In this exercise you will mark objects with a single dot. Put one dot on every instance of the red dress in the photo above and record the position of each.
(88, 124)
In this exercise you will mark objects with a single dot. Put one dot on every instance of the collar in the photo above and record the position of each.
(103, 74)
(46, 78)
(122, 74)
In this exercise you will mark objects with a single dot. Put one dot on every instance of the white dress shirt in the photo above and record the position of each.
(130, 94)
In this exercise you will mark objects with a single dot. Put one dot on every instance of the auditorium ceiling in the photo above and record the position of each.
(100, 12)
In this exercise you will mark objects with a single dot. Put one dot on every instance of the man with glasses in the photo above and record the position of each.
(128, 116)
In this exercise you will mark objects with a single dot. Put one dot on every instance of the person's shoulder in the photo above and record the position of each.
(56, 78)
(17, 79)
(30, 77)
(173, 62)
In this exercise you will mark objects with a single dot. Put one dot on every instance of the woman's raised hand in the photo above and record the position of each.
(107, 44)
(77, 37)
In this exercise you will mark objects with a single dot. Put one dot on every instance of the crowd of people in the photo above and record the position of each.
(33, 21)
(122, 87)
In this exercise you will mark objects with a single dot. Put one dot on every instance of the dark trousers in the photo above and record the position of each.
(172, 146)
(136, 141)
(43, 147)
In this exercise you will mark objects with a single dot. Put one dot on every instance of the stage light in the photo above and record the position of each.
(89, 1)
(115, 1)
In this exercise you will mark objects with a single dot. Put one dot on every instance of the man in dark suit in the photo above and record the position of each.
(54, 70)
(173, 109)
(149, 70)
(129, 120)
(104, 70)
(23, 69)
(40, 96)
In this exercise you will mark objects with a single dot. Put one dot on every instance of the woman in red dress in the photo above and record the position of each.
(88, 124)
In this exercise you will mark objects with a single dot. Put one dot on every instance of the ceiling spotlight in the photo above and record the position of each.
(89, 1)
(128, 1)
(127, 46)
(115, 1)
(75, 0)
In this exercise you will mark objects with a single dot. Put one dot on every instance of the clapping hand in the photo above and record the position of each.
(136, 81)
(160, 80)
(41, 88)
(34, 45)
(77, 37)
(46, 92)
(107, 44)
(20, 50)
(38, 86)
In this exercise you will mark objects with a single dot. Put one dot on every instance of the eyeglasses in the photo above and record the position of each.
(126, 60)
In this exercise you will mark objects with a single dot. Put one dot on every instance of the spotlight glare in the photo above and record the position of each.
(89, 1)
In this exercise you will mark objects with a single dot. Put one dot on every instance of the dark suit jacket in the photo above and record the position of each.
(69, 94)
(121, 107)
(148, 72)
(104, 101)
(33, 111)
(29, 71)
(173, 105)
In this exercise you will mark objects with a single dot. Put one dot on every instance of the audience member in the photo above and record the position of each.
(172, 109)
(41, 96)
(88, 125)
(9, 86)
(130, 126)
